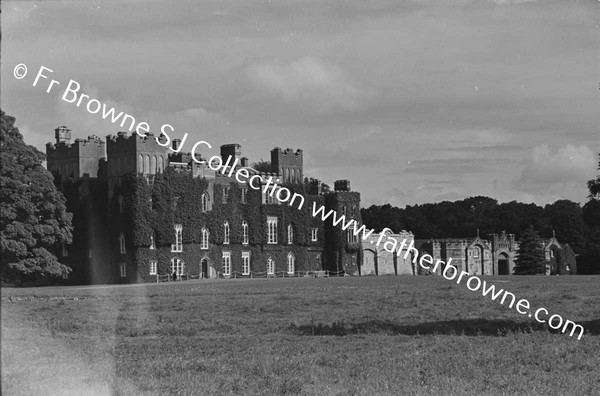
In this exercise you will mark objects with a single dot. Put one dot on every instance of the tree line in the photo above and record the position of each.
(577, 225)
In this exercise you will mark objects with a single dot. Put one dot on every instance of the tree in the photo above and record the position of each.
(567, 220)
(594, 184)
(531, 258)
(33, 219)
(589, 261)
(262, 166)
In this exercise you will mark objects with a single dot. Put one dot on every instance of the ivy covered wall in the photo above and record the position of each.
(140, 209)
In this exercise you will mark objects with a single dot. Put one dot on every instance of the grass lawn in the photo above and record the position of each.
(337, 336)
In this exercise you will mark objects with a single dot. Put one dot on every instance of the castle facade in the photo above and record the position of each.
(142, 212)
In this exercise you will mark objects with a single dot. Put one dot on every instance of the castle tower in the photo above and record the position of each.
(344, 250)
(74, 160)
(288, 164)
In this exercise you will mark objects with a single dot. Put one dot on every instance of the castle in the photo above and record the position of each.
(141, 211)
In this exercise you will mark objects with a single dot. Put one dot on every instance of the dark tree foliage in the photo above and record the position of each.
(594, 184)
(34, 221)
(262, 166)
(457, 219)
(531, 259)
(566, 219)
(590, 259)
(566, 261)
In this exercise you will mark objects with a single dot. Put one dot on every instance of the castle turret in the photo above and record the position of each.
(287, 163)
(231, 150)
(62, 134)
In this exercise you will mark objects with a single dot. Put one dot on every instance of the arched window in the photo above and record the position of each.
(204, 239)
(291, 263)
(147, 164)
(177, 266)
(161, 166)
(270, 266)
(204, 201)
(152, 244)
(178, 245)
(290, 234)
(271, 230)
(140, 166)
(153, 164)
(226, 233)
(122, 243)
(245, 233)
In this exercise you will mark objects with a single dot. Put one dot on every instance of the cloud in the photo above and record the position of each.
(308, 81)
(557, 174)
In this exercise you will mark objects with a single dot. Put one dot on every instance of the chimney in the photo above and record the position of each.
(244, 161)
(176, 143)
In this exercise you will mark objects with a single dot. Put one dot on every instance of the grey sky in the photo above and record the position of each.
(412, 101)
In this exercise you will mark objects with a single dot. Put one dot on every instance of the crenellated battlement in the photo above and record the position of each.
(75, 159)
(289, 164)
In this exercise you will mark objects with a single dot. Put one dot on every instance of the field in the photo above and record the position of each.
(327, 336)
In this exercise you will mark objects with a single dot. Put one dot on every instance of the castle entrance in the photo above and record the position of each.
(204, 268)
(503, 265)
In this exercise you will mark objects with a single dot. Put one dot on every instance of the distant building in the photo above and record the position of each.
(478, 256)
(134, 225)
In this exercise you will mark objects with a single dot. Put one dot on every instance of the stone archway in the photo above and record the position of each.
(369, 263)
(503, 264)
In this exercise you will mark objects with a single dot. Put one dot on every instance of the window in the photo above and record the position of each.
(123, 268)
(244, 193)
(271, 230)
(291, 263)
(177, 266)
(153, 267)
(290, 234)
(552, 253)
(122, 243)
(269, 199)
(226, 233)
(244, 233)
(204, 239)
(313, 234)
(226, 263)
(270, 266)
(152, 245)
(225, 194)
(205, 199)
(476, 253)
(178, 245)
(351, 237)
(246, 263)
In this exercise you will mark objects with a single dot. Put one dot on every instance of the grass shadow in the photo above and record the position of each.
(469, 327)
